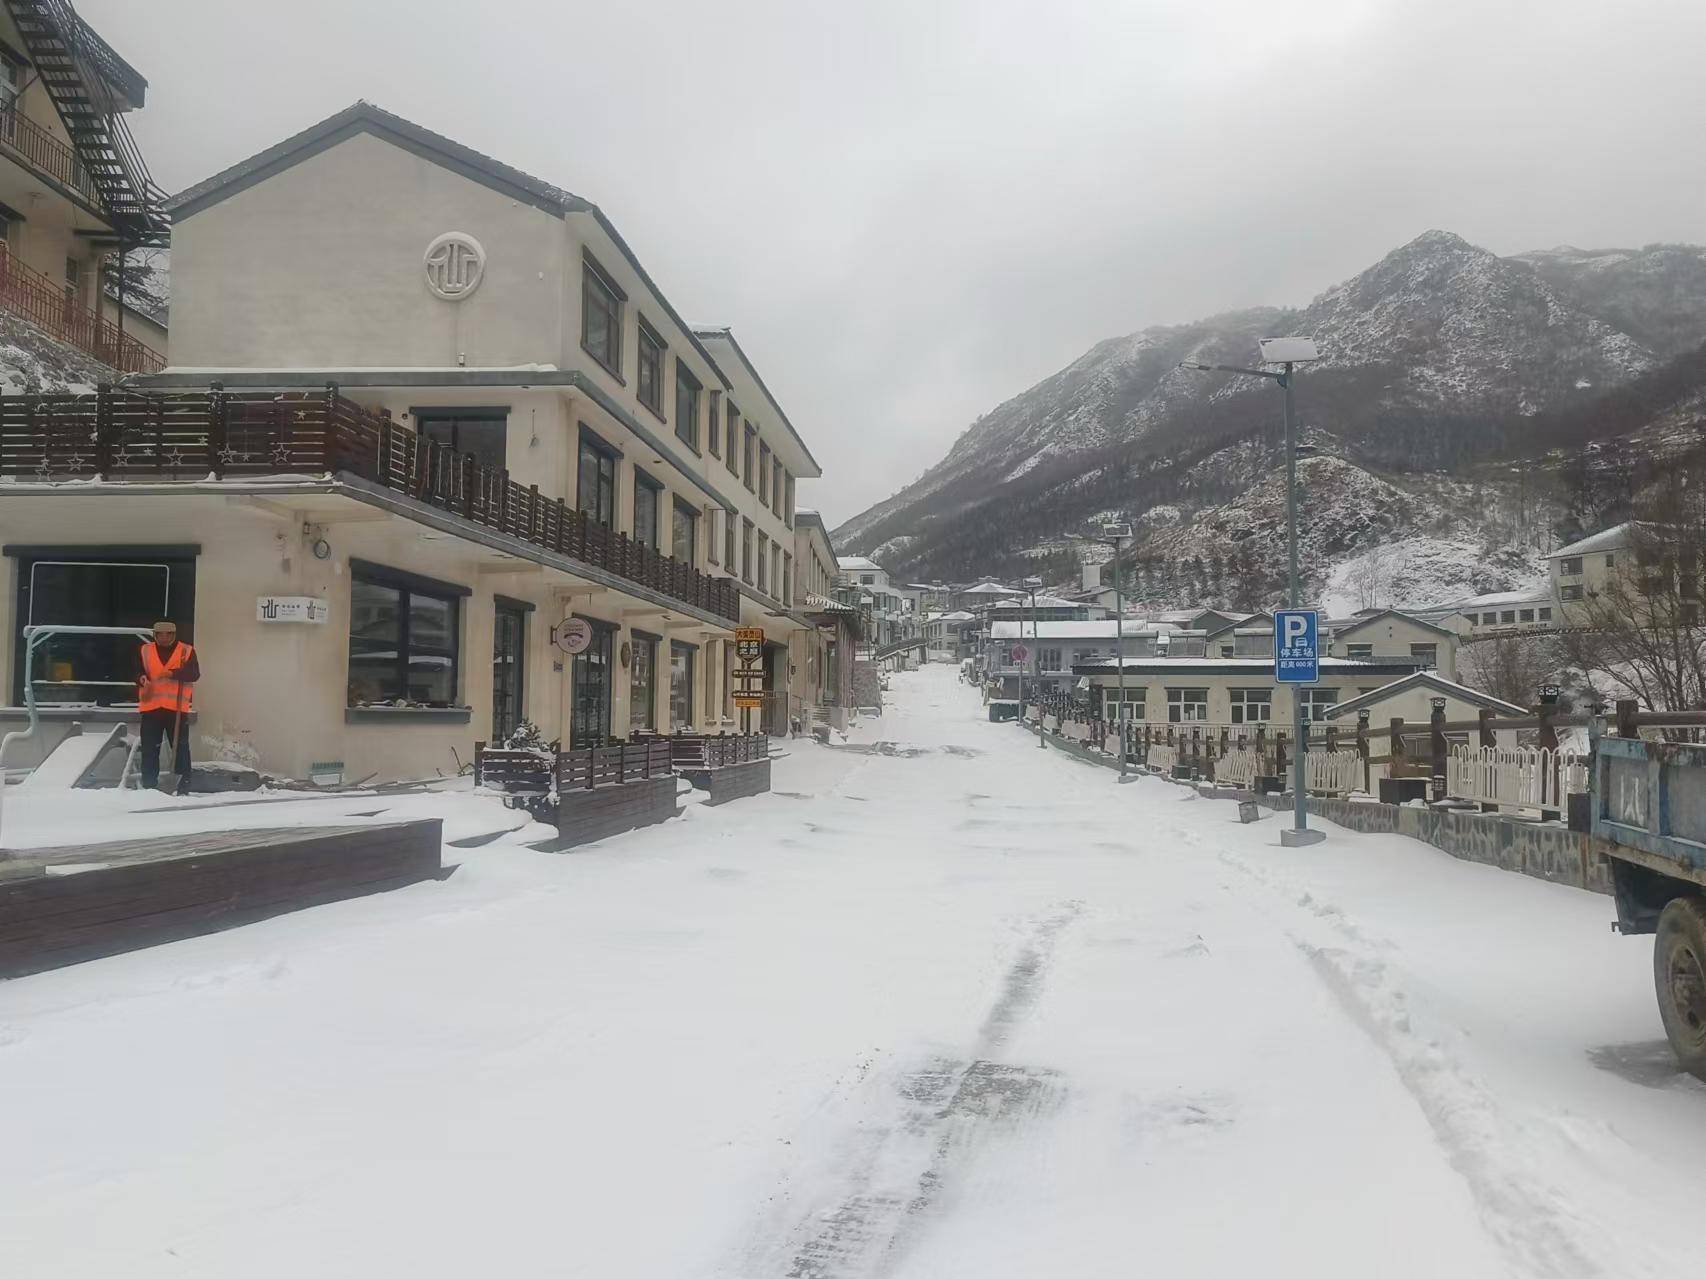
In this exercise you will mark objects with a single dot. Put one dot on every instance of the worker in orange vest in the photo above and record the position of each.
(166, 673)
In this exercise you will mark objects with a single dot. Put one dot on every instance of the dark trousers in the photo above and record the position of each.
(157, 725)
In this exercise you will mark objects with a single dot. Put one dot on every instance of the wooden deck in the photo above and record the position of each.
(61, 906)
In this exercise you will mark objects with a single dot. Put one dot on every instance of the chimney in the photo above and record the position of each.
(1092, 576)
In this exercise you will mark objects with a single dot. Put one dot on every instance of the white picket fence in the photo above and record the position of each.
(1332, 772)
(1163, 758)
(1524, 778)
(1236, 768)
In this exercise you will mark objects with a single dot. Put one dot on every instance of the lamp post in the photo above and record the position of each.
(1288, 353)
(1033, 584)
(1116, 535)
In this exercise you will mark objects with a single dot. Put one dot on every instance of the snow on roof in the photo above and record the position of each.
(1042, 601)
(1604, 540)
(990, 588)
(958, 615)
(1425, 679)
(858, 563)
(1203, 664)
(1539, 594)
(1342, 629)
(1101, 628)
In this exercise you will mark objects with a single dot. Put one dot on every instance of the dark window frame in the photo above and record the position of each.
(714, 416)
(765, 466)
(679, 648)
(746, 550)
(590, 439)
(647, 336)
(433, 414)
(683, 511)
(650, 642)
(729, 542)
(763, 561)
(644, 480)
(747, 455)
(592, 274)
(732, 443)
(687, 415)
(503, 606)
(408, 585)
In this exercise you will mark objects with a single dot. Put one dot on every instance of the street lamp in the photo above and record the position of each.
(1287, 352)
(1116, 535)
(1033, 584)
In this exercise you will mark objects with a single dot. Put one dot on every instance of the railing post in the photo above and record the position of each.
(1436, 741)
(1487, 737)
(467, 477)
(1397, 764)
(1280, 770)
(328, 427)
(1548, 762)
(218, 448)
(103, 428)
(1362, 751)
(479, 761)
(1627, 709)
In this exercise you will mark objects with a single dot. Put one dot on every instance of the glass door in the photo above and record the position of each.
(509, 627)
(589, 723)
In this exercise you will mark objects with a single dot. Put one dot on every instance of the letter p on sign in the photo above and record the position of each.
(1296, 628)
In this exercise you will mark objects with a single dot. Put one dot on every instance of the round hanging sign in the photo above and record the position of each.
(573, 636)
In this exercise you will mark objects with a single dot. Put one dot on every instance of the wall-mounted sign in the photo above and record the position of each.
(455, 264)
(291, 608)
(748, 703)
(572, 635)
(749, 643)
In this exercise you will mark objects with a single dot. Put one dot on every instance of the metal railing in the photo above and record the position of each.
(122, 435)
(1527, 779)
(28, 293)
(46, 154)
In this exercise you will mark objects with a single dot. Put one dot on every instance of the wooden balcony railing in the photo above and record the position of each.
(48, 155)
(122, 435)
(30, 294)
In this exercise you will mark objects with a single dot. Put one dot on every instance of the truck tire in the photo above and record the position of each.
(1679, 974)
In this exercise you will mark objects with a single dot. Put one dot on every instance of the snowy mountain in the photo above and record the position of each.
(1441, 360)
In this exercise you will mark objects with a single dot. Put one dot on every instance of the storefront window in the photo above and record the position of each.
(589, 720)
(403, 640)
(680, 686)
(96, 669)
(642, 684)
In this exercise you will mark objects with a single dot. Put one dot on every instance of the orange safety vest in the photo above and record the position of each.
(162, 691)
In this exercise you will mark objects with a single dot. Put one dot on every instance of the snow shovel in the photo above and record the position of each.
(177, 728)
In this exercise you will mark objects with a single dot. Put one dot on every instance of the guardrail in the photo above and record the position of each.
(45, 304)
(122, 435)
(1527, 779)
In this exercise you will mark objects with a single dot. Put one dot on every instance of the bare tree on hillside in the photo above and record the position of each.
(1373, 573)
(1512, 667)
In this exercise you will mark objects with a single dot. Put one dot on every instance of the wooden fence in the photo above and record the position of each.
(696, 750)
(121, 435)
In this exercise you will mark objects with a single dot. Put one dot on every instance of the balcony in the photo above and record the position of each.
(25, 140)
(30, 294)
(127, 436)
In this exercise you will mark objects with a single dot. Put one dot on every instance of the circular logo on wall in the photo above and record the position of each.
(455, 264)
(573, 636)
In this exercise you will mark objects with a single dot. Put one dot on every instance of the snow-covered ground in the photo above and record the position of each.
(954, 1007)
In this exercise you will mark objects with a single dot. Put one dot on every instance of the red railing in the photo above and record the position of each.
(45, 153)
(27, 292)
(120, 435)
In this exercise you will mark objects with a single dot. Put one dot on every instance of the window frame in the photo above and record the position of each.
(686, 651)
(639, 640)
(688, 514)
(408, 585)
(1241, 701)
(1359, 652)
(732, 444)
(747, 454)
(729, 535)
(1177, 704)
(590, 441)
(746, 550)
(430, 414)
(687, 415)
(594, 274)
(1431, 657)
(763, 561)
(645, 482)
(647, 336)
(714, 417)
(1570, 566)
(764, 468)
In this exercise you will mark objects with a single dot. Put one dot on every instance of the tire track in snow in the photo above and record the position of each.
(1533, 1222)
(939, 1115)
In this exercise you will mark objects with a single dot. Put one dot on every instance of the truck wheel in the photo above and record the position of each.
(1679, 973)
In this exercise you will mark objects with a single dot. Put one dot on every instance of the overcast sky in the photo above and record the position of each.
(910, 211)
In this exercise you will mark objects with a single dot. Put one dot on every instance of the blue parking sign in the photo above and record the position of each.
(1297, 655)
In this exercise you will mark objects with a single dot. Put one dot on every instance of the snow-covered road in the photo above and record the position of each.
(954, 1007)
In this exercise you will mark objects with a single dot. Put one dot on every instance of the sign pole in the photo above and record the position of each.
(1299, 733)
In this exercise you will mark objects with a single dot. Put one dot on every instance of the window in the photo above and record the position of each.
(643, 683)
(482, 432)
(729, 542)
(1509, 615)
(648, 380)
(787, 578)
(732, 460)
(1491, 619)
(591, 679)
(402, 639)
(1358, 653)
(1544, 614)
(680, 685)
(1426, 654)
(1570, 594)
(1048, 659)
(1226, 650)
(601, 317)
(509, 652)
(711, 534)
(1571, 567)
(1253, 645)
(11, 80)
(746, 465)
(746, 551)
(867, 579)
(647, 493)
(73, 281)
(596, 482)
(1131, 707)
(1611, 561)
(764, 473)
(763, 562)
(1187, 705)
(776, 487)
(1316, 701)
(788, 501)
(1525, 615)
(714, 423)
(776, 568)
(113, 590)
(684, 533)
(1252, 705)
(686, 406)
